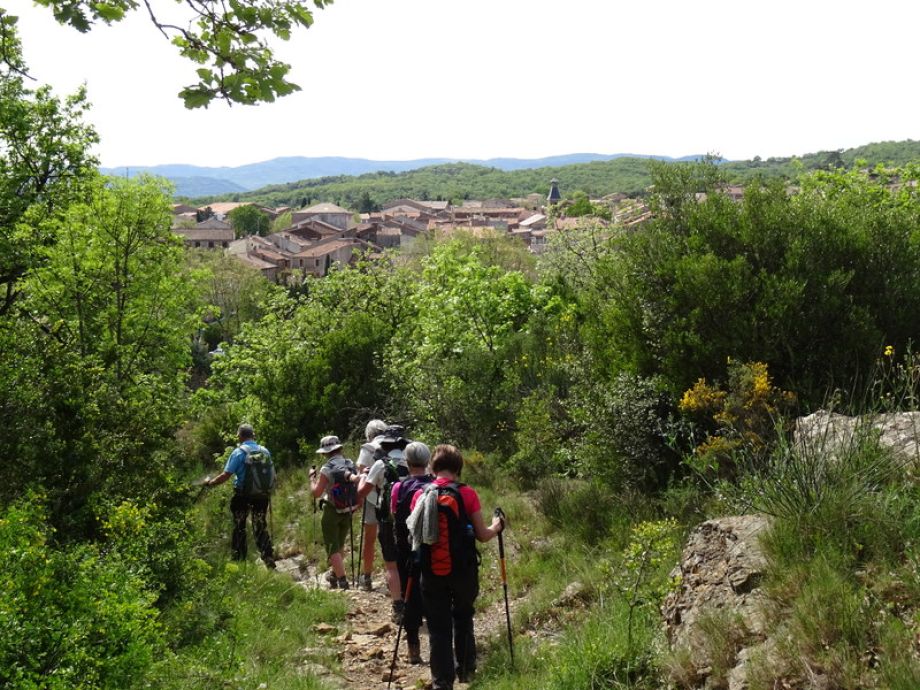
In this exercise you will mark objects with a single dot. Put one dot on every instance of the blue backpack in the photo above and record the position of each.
(342, 494)
(259, 479)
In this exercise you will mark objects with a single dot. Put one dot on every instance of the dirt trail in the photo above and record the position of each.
(364, 642)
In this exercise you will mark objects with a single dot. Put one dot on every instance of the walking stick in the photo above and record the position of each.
(313, 474)
(361, 539)
(402, 622)
(271, 520)
(501, 557)
(351, 540)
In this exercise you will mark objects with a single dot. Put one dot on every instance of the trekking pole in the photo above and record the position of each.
(313, 474)
(200, 486)
(501, 557)
(351, 539)
(402, 622)
(361, 538)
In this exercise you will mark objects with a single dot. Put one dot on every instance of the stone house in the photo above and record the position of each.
(331, 214)
(208, 234)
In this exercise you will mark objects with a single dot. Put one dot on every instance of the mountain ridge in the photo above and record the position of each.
(194, 180)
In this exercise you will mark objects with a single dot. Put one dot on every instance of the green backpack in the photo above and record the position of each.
(259, 480)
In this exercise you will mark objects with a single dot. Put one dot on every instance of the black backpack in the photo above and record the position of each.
(343, 495)
(259, 479)
(455, 551)
(392, 473)
(407, 489)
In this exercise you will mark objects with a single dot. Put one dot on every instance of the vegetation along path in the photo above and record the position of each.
(364, 642)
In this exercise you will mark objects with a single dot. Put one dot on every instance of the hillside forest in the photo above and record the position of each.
(610, 395)
(456, 182)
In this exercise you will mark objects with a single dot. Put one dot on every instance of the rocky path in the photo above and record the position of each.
(363, 644)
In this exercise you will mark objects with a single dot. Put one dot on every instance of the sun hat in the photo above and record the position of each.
(329, 444)
(393, 434)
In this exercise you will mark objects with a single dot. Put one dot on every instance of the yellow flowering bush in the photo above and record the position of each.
(742, 416)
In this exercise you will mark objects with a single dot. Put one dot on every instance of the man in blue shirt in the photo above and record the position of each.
(242, 504)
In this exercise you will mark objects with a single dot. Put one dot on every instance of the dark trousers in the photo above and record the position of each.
(412, 614)
(448, 602)
(240, 507)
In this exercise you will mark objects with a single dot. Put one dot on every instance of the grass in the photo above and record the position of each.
(268, 627)
(843, 600)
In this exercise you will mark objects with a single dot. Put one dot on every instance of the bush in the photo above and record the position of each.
(589, 510)
(70, 617)
(741, 419)
(621, 440)
(538, 452)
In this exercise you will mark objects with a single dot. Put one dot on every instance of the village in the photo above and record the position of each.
(321, 235)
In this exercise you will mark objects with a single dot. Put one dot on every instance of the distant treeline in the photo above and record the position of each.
(459, 181)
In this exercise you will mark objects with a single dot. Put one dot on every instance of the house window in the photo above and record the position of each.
(210, 245)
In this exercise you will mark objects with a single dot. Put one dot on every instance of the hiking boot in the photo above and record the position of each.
(415, 653)
(343, 583)
(399, 607)
(465, 676)
(365, 583)
(269, 563)
(332, 580)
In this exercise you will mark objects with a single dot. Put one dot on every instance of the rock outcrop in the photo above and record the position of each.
(830, 432)
(720, 573)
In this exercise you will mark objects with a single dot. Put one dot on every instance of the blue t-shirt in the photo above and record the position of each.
(236, 463)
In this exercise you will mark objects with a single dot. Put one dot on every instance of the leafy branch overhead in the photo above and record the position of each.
(228, 39)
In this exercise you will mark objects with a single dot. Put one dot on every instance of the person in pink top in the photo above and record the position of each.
(450, 567)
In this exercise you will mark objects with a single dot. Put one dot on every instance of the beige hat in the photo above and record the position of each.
(329, 444)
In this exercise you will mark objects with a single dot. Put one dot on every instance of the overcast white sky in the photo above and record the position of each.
(404, 79)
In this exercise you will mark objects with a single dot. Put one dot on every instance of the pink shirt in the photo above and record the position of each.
(467, 493)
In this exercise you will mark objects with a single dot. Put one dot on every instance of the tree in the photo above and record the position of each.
(452, 363)
(44, 156)
(231, 294)
(235, 63)
(249, 220)
(366, 204)
(96, 355)
(811, 284)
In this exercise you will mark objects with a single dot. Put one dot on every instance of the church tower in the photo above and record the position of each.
(554, 197)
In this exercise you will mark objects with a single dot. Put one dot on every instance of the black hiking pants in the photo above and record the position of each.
(412, 614)
(448, 602)
(241, 506)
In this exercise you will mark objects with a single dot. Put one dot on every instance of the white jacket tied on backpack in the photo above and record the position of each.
(422, 522)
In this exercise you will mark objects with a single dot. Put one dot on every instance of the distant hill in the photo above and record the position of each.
(196, 181)
(360, 183)
(600, 176)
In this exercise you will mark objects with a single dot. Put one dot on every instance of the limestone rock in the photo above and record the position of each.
(720, 573)
(898, 431)
(575, 593)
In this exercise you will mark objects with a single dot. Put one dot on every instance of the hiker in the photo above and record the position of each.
(389, 466)
(339, 503)
(446, 520)
(373, 432)
(417, 457)
(249, 496)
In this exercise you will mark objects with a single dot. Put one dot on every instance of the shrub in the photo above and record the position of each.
(742, 418)
(538, 444)
(70, 616)
(621, 440)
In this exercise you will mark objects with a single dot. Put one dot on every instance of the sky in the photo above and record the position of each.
(407, 79)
